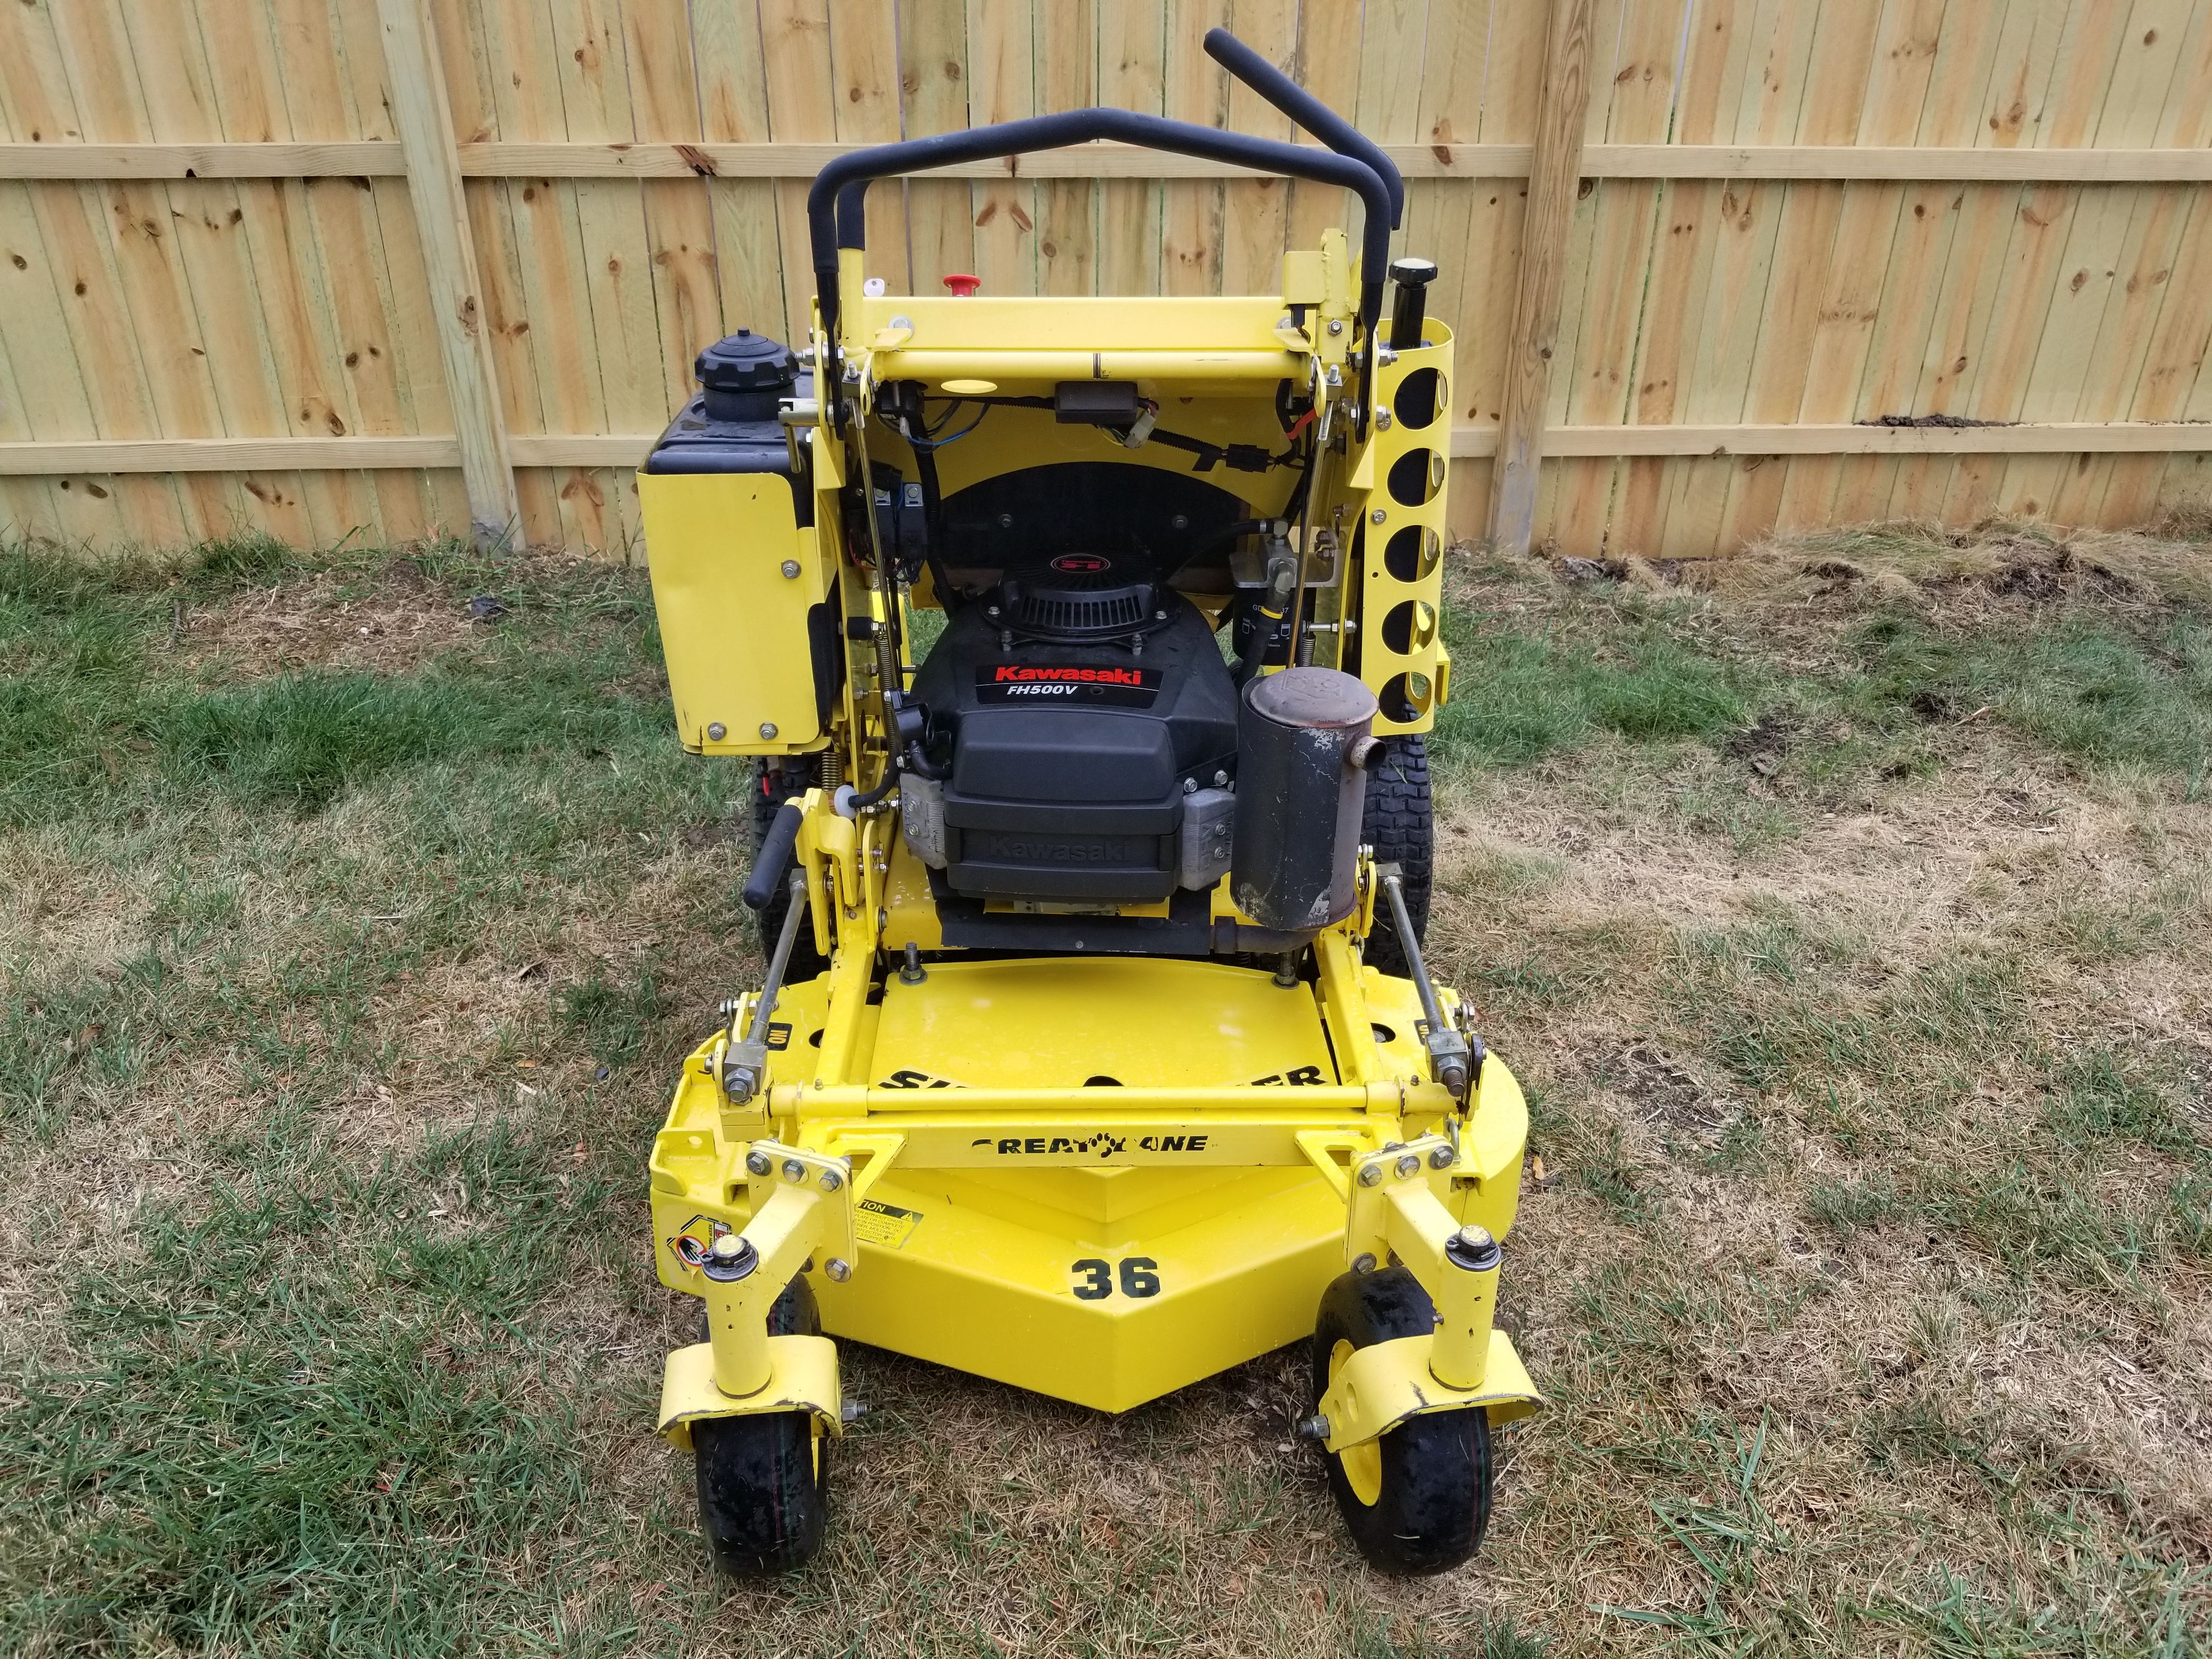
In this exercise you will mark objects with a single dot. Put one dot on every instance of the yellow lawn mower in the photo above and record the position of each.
(1095, 1053)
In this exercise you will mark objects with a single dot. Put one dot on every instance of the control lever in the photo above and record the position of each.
(744, 1064)
(1451, 1061)
(774, 856)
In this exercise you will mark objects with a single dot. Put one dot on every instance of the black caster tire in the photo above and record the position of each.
(771, 790)
(764, 1481)
(1400, 823)
(1417, 1500)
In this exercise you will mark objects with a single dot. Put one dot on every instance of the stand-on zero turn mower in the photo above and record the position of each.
(1094, 1054)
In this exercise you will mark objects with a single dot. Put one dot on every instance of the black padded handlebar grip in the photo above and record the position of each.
(836, 204)
(1307, 111)
(775, 856)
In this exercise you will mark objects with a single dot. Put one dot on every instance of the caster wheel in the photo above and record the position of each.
(1415, 1501)
(764, 1481)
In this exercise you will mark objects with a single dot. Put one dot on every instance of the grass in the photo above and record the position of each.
(1848, 932)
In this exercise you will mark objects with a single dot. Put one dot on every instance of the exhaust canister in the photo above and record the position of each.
(1303, 738)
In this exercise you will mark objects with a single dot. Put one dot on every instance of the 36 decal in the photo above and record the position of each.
(1095, 1276)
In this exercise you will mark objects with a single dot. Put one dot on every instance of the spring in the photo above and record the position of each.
(833, 770)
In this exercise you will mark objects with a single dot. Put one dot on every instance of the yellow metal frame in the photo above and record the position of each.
(1099, 1178)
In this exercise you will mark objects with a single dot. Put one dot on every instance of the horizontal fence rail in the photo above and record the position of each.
(384, 267)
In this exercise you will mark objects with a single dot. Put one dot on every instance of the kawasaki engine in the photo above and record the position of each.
(1084, 724)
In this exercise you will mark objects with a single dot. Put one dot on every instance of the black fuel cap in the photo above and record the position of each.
(747, 361)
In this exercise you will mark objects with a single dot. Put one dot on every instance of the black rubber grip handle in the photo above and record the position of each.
(1307, 111)
(774, 856)
(836, 203)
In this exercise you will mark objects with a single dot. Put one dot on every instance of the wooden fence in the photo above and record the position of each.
(371, 267)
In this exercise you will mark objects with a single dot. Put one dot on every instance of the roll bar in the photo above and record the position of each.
(834, 204)
(1308, 112)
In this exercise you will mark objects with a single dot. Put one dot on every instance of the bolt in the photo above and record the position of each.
(831, 1181)
(791, 569)
(759, 1162)
(1473, 1248)
(729, 1259)
(1409, 1166)
(1442, 1158)
(1190, 786)
(913, 972)
(838, 1268)
(725, 1007)
(1381, 420)
(793, 1169)
(716, 731)
(990, 610)
(1159, 616)
(1005, 521)
(1378, 515)
(850, 1411)
(1221, 780)
(1363, 1263)
(1336, 325)
(1314, 1428)
(1181, 521)
(1370, 1174)
(768, 728)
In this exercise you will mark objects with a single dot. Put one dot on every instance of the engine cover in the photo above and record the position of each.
(1074, 765)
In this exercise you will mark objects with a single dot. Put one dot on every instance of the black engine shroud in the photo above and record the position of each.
(1082, 705)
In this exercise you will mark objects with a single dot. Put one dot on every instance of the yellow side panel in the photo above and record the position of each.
(734, 579)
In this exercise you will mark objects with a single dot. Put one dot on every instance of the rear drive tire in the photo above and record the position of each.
(764, 1480)
(1400, 824)
(1417, 1500)
(771, 790)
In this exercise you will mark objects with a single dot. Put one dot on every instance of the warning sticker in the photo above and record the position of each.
(884, 1223)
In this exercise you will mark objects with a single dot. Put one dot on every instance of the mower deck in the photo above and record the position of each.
(1150, 1220)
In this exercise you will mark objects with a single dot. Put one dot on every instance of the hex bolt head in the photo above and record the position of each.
(1378, 515)
(831, 1181)
(791, 569)
(1364, 1263)
(716, 731)
(1336, 325)
(1409, 1166)
(729, 1259)
(838, 1268)
(1314, 1428)
(1442, 1158)
(1220, 780)
(1473, 1248)
(768, 728)
(850, 1411)
(1382, 422)
(793, 1169)
(759, 1163)
(1370, 1174)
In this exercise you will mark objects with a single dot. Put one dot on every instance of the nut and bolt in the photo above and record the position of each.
(831, 1181)
(716, 731)
(1364, 1263)
(729, 1259)
(1409, 1166)
(838, 1268)
(1473, 1248)
(791, 569)
(793, 1169)
(850, 1411)
(1314, 1428)
(1442, 1158)
(1378, 515)
(768, 728)
(759, 1162)
(1336, 325)
(1383, 420)
(1220, 780)
(1370, 1174)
